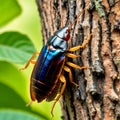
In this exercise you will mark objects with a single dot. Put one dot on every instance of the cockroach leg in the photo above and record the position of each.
(70, 55)
(29, 103)
(67, 69)
(76, 66)
(73, 49)
(63, 80)
(31, 60)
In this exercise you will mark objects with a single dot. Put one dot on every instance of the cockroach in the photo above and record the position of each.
(47, 79)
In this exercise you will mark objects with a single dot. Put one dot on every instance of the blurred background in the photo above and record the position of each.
(20, 37)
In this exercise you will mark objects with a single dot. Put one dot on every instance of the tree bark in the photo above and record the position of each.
(98, 94)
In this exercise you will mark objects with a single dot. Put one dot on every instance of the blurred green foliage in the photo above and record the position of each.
(17, 115)
(15, 47)
(6, 13)
(20, 37)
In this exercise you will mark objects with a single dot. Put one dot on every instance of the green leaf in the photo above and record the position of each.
(15, 47)
(14, 89)
(17, 115)
(15, 100)
(9, 9)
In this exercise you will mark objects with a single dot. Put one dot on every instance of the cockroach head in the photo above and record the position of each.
(64, 33)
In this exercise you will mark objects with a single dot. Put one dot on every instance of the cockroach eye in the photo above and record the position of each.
(67, 35)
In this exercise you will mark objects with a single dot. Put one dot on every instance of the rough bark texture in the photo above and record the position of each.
(98, 94)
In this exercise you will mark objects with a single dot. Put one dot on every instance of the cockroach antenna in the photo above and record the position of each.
(80, 13)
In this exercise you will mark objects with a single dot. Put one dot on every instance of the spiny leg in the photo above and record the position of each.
(63, 80)
(31, 60)
(81, 46)
(67, 69)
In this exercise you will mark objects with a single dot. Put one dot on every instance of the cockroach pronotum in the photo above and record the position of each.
(47, 79)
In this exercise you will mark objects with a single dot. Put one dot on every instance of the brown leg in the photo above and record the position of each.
(31, 60)
(67, 69)
(63, 80)
(81, 46)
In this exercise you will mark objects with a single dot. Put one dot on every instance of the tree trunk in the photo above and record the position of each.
(97, 97)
